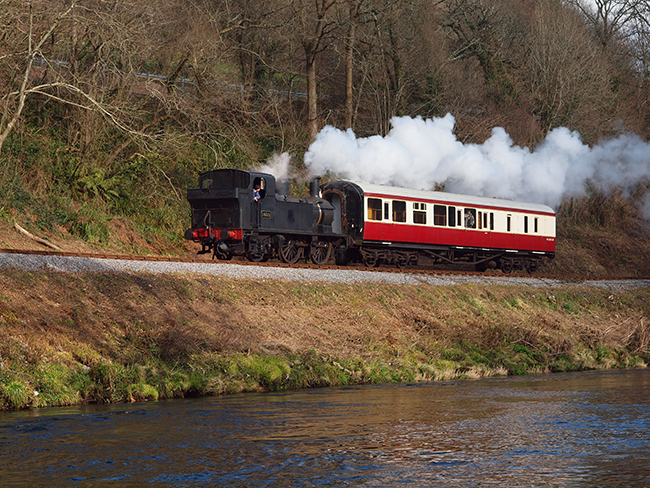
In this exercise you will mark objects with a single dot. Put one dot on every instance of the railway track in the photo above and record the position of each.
(307, 266)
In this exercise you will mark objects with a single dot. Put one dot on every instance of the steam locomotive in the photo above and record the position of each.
(242, 213)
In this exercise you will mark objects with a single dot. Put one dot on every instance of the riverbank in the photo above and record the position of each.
(71, 338)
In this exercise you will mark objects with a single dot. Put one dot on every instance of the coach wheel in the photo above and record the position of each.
(320, 252)
(290, 252)
(506, 265)
(532, 265)
(402, 261)
(481, 267)
(371, 259)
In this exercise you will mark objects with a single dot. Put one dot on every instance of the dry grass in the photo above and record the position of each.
(602, 235)
(120, 316)
(115, 333)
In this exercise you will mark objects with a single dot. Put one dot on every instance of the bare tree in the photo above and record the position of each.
(355, 10)
(79, 53)
(30, 37)
(393, 55)
(568, 77)
(610, 18)
(315, 21)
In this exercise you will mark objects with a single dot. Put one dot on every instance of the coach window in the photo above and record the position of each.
(525, 224)
(491, 220)
(459, 219)
(419, 213)
(470, 218)
(399, 211)
(480, 220)
(451, 214)
(536, 225)
(374, 209)
(439, 215)
(508, 222)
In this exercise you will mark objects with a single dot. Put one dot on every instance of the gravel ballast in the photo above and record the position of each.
(67, 264)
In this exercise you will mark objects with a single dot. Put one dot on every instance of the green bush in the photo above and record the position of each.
(15, 394)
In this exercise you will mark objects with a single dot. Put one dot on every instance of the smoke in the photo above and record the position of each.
(422, 153)
(278, 166)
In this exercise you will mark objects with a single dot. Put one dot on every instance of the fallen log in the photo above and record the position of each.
(37, 239)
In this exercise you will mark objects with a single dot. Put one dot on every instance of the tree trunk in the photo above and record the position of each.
(349, 64)
(312, 98)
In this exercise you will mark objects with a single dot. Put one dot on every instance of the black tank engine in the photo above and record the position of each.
(241, 213)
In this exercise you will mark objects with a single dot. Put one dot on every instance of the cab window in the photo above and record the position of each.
(259, 184)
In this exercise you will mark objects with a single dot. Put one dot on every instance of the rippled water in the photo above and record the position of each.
(587, 429)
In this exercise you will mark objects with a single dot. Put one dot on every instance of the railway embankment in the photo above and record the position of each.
(119, 336)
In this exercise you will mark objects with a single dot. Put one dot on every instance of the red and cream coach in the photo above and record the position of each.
(406, 227)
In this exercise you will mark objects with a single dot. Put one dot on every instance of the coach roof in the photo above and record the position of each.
(444, 198)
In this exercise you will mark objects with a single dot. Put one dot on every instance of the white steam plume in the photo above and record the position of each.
(419, 154)
(277, 165)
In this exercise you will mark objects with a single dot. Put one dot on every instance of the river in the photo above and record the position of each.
(578, 429)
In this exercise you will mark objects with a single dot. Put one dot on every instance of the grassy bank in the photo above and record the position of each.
(77, 338)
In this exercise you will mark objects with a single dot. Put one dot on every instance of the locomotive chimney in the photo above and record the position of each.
(314, 187)
(282, 187)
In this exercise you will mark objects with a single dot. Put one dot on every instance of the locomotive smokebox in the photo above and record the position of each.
(314, 187)
(323, 213)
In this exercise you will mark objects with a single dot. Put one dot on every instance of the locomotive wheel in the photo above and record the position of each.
(255, 252)
(320, 252)
(222, 256)
(255, 257)
(290, 252)
(341, 258)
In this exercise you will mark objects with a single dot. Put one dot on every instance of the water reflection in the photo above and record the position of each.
(589, 429)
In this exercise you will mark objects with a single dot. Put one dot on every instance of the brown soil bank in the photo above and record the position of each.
(75, 338)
